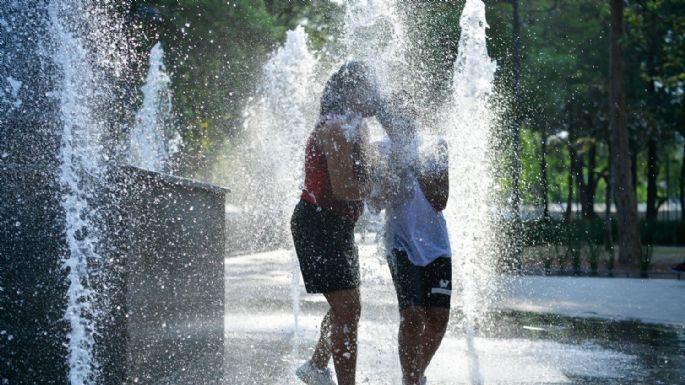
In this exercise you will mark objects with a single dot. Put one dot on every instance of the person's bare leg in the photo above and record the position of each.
(322, 352)
(435, 327)
(344, 316)
(410, 342)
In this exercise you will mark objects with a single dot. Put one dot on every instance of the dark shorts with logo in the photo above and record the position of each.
(325, 248)
(421, 286)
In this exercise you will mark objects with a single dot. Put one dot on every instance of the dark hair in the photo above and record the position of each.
(349, 76)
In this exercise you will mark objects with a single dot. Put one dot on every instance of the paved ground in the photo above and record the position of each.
(265, 341)
(660, 301)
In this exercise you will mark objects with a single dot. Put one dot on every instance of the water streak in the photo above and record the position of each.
(80, 157)
(278, 121)
(470, 135)
(375, 34)
(266, 172)
(10, 94)
(84, 91)
(267, 166)
(153, 140)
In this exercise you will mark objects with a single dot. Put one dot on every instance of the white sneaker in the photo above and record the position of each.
(311, 375)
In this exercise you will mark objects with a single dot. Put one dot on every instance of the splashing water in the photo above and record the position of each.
(277, 124)
(80, 157)
(152, 140)
(82, 91)
(279, 119)
(9, 94)
(266, 168)
(374, 33)
(469, 135)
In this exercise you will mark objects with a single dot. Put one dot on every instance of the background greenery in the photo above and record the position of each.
(216, 48)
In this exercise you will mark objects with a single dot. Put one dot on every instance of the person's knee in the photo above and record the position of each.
(346, 306)
(413, 317)
(437, 319)
(350, 310)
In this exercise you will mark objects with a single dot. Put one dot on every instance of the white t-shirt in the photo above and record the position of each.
(415, 227)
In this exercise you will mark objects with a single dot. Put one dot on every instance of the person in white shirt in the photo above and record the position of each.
(413, 190)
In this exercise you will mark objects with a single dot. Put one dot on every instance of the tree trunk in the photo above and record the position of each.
(608, 228)
(585, 189)
(577, 163)
(682, 187)
(652, 171)
(592, 180)
(608, 234)
(543, 175)
(668, 195)
(622, 183)
(632, 148)
(652, 157)
(569, 199)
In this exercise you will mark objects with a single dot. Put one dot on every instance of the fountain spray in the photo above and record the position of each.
(470, 133)
(152, 140)
(77, 29)
(79, 153)
(265, 170)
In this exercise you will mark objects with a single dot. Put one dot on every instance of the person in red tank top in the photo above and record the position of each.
(317, 184)
(323, 222)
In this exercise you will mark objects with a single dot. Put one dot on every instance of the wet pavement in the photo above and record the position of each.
(543, 331)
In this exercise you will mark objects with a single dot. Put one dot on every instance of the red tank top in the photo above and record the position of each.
(317, 185)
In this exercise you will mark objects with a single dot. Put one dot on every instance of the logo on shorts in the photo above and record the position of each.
(443, 289)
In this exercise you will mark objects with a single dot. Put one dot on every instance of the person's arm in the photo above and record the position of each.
(434, 180)
(340, 162)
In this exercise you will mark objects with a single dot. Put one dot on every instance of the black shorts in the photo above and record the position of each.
(422, 286)
(325, 247)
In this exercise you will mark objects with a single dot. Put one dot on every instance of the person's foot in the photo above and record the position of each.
(311, 375)
(680, 268)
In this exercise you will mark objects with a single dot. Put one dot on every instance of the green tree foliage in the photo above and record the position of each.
(565, 78)
(215, 50)
(654, 55)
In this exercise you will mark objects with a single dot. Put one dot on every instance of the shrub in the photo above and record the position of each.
(557, 232)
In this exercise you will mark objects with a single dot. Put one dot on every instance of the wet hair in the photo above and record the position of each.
(349, 76)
